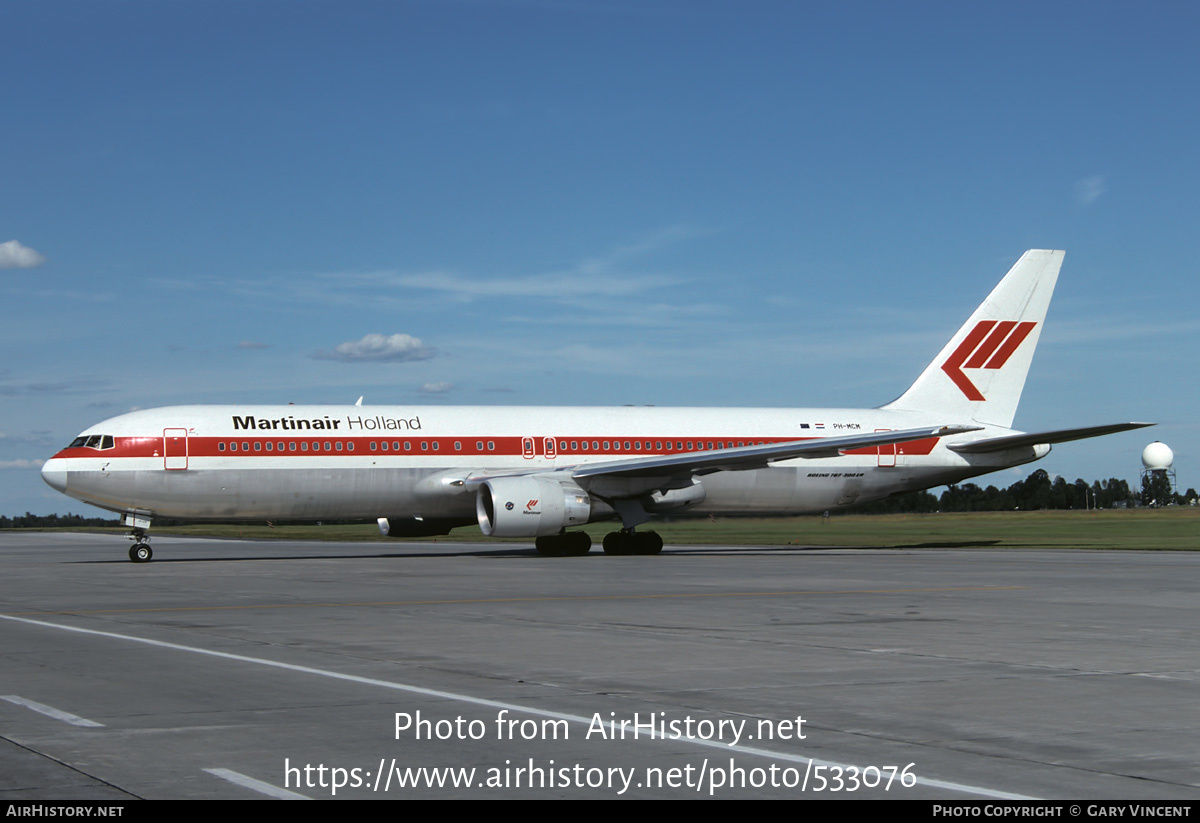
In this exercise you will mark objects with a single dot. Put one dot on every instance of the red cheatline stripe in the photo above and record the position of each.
(129, 447)
(505, 447)
(1010, 345)
(994, 339)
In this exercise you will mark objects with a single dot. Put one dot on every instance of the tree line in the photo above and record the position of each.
(1037, 491)
(41, 521)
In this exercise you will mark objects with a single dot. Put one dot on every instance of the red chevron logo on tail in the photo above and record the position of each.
(988, 346)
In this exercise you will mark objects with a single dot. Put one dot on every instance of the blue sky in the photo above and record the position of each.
(671, 203)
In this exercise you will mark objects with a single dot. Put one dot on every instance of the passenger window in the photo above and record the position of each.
(220, 447)
(258, 445)
(338, 444)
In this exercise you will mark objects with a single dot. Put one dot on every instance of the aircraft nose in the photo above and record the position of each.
(55, 477)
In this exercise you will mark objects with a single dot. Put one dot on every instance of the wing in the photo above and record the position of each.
(755, 457)
(1013, 441)
(657, 468)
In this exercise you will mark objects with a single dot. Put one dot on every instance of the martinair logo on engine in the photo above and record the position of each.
(531, 506)
(988, 346)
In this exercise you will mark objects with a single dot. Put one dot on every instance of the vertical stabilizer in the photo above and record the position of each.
(980, 373)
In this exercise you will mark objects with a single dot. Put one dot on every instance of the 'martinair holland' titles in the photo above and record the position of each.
(291, 423)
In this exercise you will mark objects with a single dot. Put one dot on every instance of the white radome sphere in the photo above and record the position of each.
(1157, 456)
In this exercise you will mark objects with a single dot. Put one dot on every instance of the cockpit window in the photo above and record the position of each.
(93, 441)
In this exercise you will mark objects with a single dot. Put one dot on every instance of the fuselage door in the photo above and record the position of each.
(887, 454)
(527, 448)
(175, 449)
(550, 452)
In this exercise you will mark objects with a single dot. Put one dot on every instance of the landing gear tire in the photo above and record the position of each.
(140, 553)
(618, 543)
(578, 543)
(549, 546)
(569, 544)
(647, 543)
(625, 543)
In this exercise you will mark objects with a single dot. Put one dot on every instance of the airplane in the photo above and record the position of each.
(543, 472)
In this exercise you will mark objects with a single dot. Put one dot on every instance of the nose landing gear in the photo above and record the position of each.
(140, 551)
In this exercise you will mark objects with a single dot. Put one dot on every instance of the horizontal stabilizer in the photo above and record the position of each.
(1014, 441)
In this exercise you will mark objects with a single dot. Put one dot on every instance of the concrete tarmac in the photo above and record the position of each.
(254, 669)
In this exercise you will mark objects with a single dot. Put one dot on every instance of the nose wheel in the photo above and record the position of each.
(140, 551)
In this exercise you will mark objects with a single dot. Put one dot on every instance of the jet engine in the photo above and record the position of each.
(530, 506)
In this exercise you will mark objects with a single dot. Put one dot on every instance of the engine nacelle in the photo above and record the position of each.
(418, 526)
(675, 499)
(530, 506)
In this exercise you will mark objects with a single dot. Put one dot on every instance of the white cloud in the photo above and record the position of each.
(379, 348)
(603, 276)
(436, 388)
(15, 256)
(20, 464)
(556, 286)
(252, 344)
(1089, 189)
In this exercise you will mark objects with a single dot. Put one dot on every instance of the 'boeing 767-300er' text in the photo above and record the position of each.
(540, 472)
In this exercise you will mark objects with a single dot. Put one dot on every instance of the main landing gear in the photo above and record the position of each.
(627, 541)
(577, 544)
(567, 544)
(140, 551)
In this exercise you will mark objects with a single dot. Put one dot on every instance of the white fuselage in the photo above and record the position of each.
(358, 462)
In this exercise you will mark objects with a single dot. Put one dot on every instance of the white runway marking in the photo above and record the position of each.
(256, 785)
(497, 704)
(50, 711)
